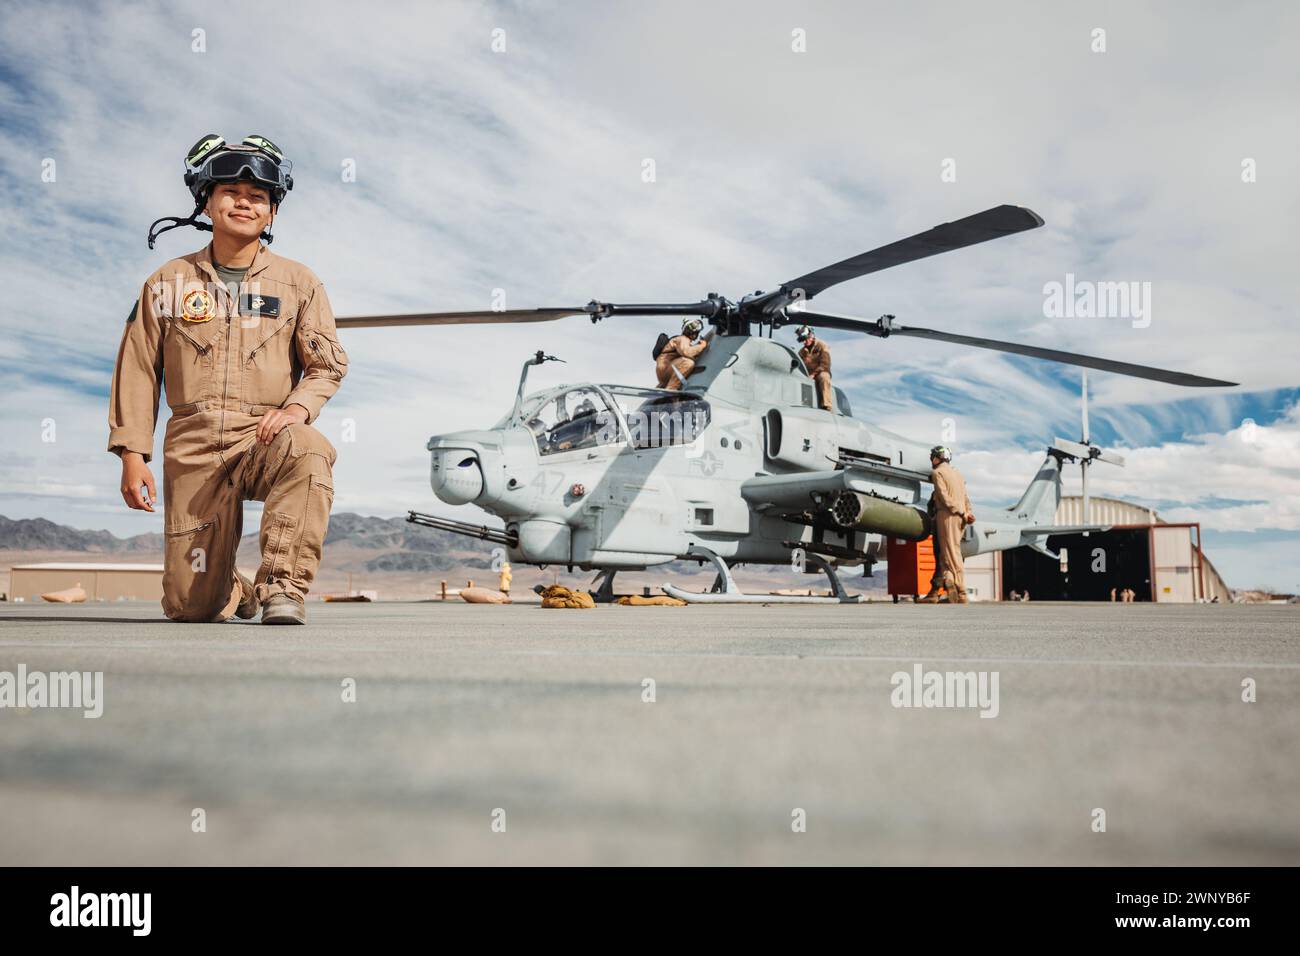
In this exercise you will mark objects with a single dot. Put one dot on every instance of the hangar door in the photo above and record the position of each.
(1175, 564)
(1094, 564)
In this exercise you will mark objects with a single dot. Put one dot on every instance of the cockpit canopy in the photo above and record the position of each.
(575, 417)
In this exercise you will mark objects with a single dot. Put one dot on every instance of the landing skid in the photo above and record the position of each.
(605, 593)
(726, 591)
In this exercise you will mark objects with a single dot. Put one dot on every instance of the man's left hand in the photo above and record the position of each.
(273, 421)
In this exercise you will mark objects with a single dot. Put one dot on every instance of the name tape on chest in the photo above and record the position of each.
(266, 306)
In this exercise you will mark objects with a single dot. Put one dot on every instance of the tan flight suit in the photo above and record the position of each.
(952, 506)
(678, 354)
(273, 346)
(817, 359)
(936, 579)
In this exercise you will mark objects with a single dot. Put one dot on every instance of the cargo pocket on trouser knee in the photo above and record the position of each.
(315, 523)
(195, 584)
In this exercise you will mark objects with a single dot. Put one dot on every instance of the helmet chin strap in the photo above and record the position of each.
(193, 220)
(176, 222)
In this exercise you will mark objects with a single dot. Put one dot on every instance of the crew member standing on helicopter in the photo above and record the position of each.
(675, 361)
(816, 358)
(953, 514)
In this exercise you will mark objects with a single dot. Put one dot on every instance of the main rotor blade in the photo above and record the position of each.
(456, 318)
(594, 310)
(945, 237)
(881, 329)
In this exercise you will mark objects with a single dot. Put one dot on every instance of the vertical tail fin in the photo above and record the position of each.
(1037, 506)
(1030, 521)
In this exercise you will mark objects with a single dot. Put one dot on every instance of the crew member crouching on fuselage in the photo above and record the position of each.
(816, 358)
(677, 359)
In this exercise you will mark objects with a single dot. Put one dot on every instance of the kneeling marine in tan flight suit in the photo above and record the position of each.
(677, 359)
(816, 357)
(953, 513)
(244, 343)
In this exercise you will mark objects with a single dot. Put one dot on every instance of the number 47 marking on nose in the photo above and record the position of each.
(547, 482)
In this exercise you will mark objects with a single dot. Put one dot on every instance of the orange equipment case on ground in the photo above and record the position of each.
(911, 565)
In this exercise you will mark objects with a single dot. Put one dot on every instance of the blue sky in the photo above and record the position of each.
(522, 170)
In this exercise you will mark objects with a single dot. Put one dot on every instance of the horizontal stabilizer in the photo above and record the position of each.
(1063, 529)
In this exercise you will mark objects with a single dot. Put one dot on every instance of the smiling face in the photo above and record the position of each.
(242, 210)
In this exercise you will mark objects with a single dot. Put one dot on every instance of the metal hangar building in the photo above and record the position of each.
(1161, 561)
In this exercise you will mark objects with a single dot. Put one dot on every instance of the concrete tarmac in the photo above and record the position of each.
(516, 735)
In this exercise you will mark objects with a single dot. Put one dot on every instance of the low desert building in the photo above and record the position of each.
(102, 582)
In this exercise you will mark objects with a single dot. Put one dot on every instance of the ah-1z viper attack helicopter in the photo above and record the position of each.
(741, 465)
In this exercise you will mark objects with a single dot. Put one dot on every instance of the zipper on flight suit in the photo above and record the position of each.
(192, 340)
(262, 344)
(225, 386)
(326, 354)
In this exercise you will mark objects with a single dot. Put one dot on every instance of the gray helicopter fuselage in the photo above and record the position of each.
(610, 477)
(741, 465)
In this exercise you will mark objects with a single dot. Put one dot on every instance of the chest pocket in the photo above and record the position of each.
(187, 360)
(269, 360)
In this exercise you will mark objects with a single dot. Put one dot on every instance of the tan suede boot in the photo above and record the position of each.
(249, 605)
(282, 609)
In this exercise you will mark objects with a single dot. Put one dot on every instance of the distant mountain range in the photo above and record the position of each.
(403, 546)
(40, 534)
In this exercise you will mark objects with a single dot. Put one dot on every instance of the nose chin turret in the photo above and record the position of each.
(456, 475)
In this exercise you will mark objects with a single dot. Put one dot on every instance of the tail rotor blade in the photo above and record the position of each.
(1111, 458)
